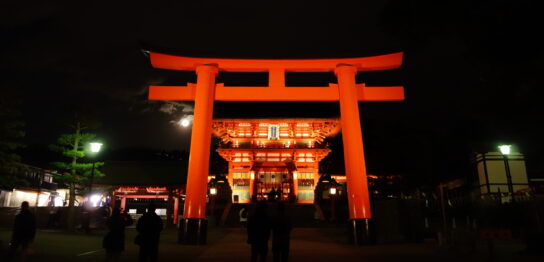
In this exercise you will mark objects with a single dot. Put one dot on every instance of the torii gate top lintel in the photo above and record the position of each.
(372, 63)
(277, 89)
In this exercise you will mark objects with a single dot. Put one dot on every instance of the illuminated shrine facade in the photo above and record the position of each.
(279, 154)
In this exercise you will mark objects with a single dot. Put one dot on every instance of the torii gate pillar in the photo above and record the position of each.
(194, 224)
(354, 160)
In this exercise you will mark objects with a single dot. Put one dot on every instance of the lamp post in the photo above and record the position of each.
(505, 151)
(332, 195)
(95, 148)
(213, 193)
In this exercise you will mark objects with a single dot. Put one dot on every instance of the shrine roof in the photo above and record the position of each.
(277, 120)
(327, 126)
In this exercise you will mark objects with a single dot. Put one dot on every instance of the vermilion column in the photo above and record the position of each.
(358, 198)
(295, 184)
(193, 230)
(251, 185)
(176, 204)
(123, 203)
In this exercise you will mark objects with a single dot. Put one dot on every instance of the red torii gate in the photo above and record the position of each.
(206, 91)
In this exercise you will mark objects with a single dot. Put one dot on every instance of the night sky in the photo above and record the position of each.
(470, 70)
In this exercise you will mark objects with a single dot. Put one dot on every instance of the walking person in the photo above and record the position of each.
(281, 235)
(258, 232)
(114, 241)
(149, 228)
(24, 231)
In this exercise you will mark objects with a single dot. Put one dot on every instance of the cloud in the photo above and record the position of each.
(172, 108)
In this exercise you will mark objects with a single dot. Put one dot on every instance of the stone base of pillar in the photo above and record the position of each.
(361, 232)
(193, 231)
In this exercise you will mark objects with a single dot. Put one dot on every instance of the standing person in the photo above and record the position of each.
(149, 229)
(86, 221)
(24, 231)
(280, 194)
(258, 233)
(281, 231)
(272, 195)
(114, 241)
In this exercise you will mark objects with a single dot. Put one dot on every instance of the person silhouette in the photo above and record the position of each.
(272, 195)
(114, 241)
(281, 234)
(149, 228)
(280, 194)
(258, 232)
(24, 231)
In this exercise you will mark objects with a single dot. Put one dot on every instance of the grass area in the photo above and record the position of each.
(52, 245)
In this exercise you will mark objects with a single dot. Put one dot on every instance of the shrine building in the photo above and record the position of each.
(274, 154)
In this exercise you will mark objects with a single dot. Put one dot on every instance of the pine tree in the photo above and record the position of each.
(75, 173)
(11, 133)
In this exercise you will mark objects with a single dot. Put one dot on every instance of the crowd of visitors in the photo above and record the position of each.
(267, 221)
(261, 225)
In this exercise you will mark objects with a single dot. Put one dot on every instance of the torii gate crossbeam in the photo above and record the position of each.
(206, 91)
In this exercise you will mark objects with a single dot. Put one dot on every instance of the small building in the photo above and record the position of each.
(498, 173)
(133, 185)
(32, 184)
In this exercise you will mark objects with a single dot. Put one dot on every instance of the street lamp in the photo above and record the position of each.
(332, 194)
(213, 193)
(505, 151)
(95, 148)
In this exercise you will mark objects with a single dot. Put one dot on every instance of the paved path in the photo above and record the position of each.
(229, 244)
